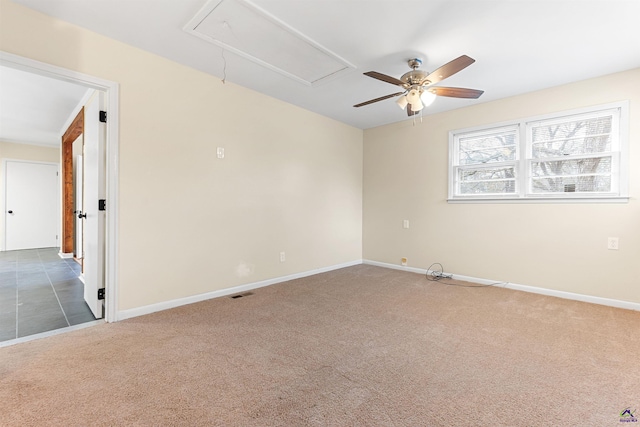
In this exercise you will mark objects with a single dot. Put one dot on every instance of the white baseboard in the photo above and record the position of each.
(152, 308)
(165, 305)
(550, 292)
(64, 255)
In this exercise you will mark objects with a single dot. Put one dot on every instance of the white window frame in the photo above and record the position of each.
(524, 160)
(455, 166)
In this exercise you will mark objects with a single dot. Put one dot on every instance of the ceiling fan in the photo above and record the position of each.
(418, 91)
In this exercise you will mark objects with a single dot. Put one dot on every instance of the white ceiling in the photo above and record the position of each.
(34, 109)
(519, 45)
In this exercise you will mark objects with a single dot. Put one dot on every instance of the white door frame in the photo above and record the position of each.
(110, 90)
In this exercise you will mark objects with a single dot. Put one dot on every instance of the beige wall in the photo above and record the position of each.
(13, 151)
(188, 222)
(35, 153)
(555, 246)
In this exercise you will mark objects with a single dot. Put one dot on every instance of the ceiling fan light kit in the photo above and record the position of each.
(413, 98)
(417, 84)
(428, 97)
(402, 102)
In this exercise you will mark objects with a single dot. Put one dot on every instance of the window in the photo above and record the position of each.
(577, 155)
(487, 162)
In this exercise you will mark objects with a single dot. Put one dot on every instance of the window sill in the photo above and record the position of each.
(609, 199)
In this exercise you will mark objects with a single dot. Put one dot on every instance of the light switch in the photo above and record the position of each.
(220, 152)
(405, 223)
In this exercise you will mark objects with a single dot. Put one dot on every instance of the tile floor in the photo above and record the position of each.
(39, 292)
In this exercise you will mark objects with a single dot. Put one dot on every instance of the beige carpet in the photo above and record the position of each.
(361, 346)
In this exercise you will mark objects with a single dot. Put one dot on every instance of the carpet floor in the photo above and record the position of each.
(359, 346)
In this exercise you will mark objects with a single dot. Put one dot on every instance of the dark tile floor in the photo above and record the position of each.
(39, 292)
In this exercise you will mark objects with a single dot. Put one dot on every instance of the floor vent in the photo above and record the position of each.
(245, 294)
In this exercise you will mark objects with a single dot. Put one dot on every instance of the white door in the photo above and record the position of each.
(94, 189)
(78, 207)
(31, 205)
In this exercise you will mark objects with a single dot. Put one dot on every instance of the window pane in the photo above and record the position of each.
(482, 148)
(577, 184)
(486, 174)
(487, 181)
(571, 167)
(488, 187)
(487, 155)
(573, 129)
(575, 137)
(572, 147)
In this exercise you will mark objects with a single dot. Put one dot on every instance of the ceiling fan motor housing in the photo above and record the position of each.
(415, 76)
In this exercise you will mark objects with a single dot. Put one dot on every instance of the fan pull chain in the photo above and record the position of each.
(224, 68)
(414, 118)
(225, 25)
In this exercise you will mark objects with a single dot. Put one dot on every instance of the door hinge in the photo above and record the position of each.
(103, 116)
(102, 205)
(101, 293)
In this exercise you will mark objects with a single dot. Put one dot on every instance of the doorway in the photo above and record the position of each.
(109, 103)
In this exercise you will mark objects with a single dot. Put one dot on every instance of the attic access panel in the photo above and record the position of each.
(243, 28)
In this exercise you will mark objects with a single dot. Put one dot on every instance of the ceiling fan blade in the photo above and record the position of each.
(382, 98)
(450, 68)
(456, 92)
(384, 78)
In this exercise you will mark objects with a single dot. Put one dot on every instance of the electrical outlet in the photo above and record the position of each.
(220, 152)
(283, 258)
(405, 223)
(612, 243)
(404, 261)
